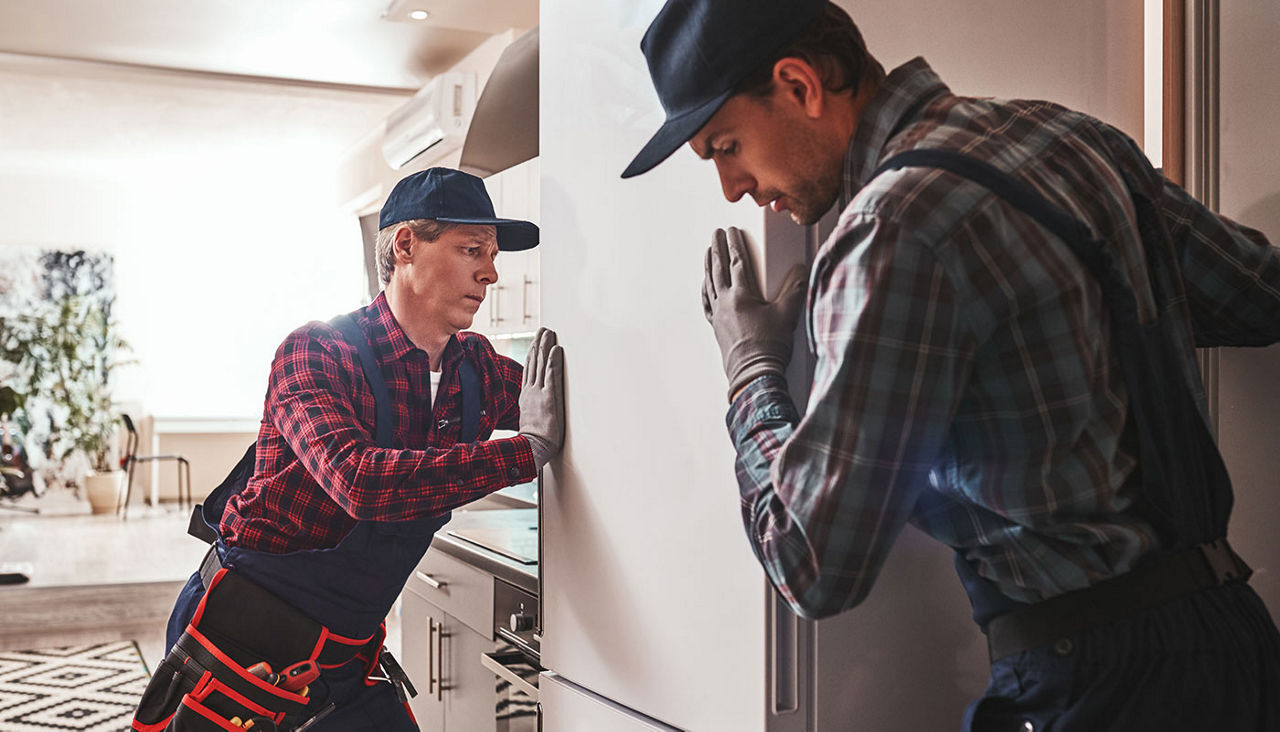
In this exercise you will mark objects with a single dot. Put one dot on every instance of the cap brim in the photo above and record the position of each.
(675, 132)
(513, 235)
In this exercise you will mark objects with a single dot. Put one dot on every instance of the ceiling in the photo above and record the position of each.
(87, 85)
(343, 42)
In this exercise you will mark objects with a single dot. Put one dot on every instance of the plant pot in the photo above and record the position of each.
(105, 490)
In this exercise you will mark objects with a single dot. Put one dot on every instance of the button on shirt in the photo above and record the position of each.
(964, 379)
(319, 469)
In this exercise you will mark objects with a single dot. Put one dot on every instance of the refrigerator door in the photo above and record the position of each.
(566, 707)
(1249, 184)
(651, 596)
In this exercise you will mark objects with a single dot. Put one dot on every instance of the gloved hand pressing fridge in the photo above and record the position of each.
(754, 333)
(542, 397)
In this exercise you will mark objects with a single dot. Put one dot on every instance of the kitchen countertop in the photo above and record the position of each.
(517, 522)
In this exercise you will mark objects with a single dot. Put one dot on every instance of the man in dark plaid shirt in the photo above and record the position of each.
(965, 377)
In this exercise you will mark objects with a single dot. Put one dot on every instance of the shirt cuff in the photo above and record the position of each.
(524, 469)
(764, 399)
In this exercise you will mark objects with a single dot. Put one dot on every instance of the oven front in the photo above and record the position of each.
(515, 659)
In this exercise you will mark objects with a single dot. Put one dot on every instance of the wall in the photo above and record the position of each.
(1086, 55)
(212, 455)
(217, 198)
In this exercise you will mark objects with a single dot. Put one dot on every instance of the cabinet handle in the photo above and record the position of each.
(431, 656)
(495, 305)
(431, 580)
(524, 300)
(439, 661)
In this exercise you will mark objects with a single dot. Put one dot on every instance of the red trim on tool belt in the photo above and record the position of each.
(242, 673)
(157, 727)
(330, 641)
(371, 663)
(194, 705)
(216, 685)
(204, 679)
(195, 619)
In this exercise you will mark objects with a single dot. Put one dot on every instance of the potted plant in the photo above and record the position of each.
(64, 352)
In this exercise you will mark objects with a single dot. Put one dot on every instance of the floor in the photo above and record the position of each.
(100, 578)
(94, 578)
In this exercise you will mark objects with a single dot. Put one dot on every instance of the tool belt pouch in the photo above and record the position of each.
(204, 682)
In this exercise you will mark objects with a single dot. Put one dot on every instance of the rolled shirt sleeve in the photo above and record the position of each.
(825, 495)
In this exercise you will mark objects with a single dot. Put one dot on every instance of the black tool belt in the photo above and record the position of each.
(205, 682)
(1053, 621)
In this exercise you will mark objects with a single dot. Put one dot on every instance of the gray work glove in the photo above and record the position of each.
(755, 334)
(542, 397)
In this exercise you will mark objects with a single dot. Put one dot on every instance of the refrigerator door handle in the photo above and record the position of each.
(784, 641)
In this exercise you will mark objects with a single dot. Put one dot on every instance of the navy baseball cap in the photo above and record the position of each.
(455, 197)
(698, 50)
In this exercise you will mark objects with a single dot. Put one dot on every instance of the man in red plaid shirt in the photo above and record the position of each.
(318, 472)
(338, 512)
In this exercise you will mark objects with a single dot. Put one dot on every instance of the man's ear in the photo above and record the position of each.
(799, 83)
(402, 245)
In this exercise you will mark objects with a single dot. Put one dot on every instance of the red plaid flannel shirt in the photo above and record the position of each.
(319, 469)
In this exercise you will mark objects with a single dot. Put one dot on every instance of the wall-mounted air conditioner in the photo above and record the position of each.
(435, 119)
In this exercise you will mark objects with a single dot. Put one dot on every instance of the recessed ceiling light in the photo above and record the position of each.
(419, 14)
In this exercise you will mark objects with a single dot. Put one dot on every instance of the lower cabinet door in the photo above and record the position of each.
(421, 626)
(470, 695)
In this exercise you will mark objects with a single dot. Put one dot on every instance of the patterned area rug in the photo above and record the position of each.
(92, 687)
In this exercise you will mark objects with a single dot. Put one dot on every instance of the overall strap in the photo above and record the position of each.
(372, 373)
(1022, 196)
(1186, 493)
(1072, 231)
(470, 384)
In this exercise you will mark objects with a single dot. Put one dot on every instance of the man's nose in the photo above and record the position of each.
(488, 274)
(735, 183)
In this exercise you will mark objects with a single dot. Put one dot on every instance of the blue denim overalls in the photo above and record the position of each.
(1209, 659)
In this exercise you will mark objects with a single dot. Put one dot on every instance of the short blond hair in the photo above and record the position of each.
(384, 248)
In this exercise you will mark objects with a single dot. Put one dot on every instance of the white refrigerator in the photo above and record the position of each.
(655, 614)
(1245, 381)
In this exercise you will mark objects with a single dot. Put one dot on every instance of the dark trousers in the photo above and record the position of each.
(1206, 662)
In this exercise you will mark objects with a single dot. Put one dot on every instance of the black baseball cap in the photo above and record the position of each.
(455, 197)
(698, 50)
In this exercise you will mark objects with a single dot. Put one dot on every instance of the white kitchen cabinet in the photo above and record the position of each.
(512, 304)
(441, 654)
(442, 640)
(417, 656)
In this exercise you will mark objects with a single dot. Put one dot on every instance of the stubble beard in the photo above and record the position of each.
(814, 195)
(813, 199)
